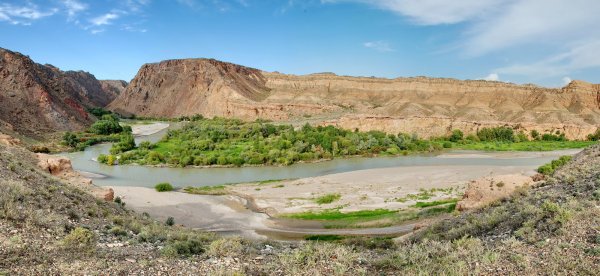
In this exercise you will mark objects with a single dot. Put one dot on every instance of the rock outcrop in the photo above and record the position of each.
(61, 167)
(425, 106)
(486, 190)
(37, 99)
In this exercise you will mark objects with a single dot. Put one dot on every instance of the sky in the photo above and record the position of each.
(545, 42)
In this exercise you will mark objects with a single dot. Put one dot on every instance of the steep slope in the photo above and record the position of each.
(425, 106)
(197, 86)
(37, 99)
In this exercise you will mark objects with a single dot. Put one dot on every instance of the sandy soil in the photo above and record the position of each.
(211, 213)
(145, 130)
(380, 188)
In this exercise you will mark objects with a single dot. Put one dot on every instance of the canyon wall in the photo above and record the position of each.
(38, 99)
(420, 105)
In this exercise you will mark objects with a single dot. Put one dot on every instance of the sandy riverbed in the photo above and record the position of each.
(148, 129)
(380, 188)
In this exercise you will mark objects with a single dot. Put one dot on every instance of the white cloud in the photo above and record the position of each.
(104, 19)
(23, 15)
(579, 56)
(74, 7)
(433, 12)
(492, 77)
(566, 29)
(566, 80)
(381, 46)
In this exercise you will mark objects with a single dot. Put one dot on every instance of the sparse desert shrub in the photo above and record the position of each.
(170, 221)
(594, 136)
(80, 240)
(317, 258)
(12, 193)
(163, 187)
(186, 243)
(118, 231)
(226, 247)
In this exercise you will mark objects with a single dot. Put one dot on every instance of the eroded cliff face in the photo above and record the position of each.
(425, 106)
(37, 99)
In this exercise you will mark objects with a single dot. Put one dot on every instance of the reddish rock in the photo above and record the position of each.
(37, 99)
(110, 195)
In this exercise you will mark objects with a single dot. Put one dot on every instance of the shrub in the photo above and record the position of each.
(549, 168)
(456, 135)
(70, 139)
(183, 248)
(126, 143)
(106, 126)
(447, 145)
(163, 187)
(80, 240)
(225, 247)
(594, 136)
(535, 135)
(499, 134)
(170, 221)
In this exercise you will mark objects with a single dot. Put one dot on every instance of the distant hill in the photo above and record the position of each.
(37, 99)
(421, 105)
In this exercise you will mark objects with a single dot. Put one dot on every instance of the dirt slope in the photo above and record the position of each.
(421, 105)
(37, 99)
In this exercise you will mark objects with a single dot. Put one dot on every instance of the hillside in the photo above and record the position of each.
(38, 99)
(421, 105)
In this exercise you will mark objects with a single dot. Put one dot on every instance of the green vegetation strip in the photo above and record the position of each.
(208, 190)
(425, 204)
(549, 168)
(232, 142)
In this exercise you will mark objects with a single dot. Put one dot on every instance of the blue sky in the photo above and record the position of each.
(546, 42)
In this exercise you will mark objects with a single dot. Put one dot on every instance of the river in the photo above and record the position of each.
(145, 176)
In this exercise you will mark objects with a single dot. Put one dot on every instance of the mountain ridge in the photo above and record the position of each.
(38, 99)
(421, 105)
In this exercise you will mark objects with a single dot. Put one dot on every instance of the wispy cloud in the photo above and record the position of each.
(578, 57)
(73, 8)
(104, 19)
(23, 15)
(566, 28)
(432, 12)
(381, 46)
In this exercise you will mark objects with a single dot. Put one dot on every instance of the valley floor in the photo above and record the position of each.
(395, 188)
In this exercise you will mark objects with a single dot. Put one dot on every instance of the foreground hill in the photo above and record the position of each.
(49, 227)
(426, 106)
(37, 99)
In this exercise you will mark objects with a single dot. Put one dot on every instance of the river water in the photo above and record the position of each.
(143, 176)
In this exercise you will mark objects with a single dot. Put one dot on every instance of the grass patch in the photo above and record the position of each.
(323, 238)
(163, 187)
(328, 198)
(207, 190)
(522, 146)
(425, 204)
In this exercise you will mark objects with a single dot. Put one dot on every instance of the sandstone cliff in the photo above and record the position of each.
(37, 99)
(425, 106)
